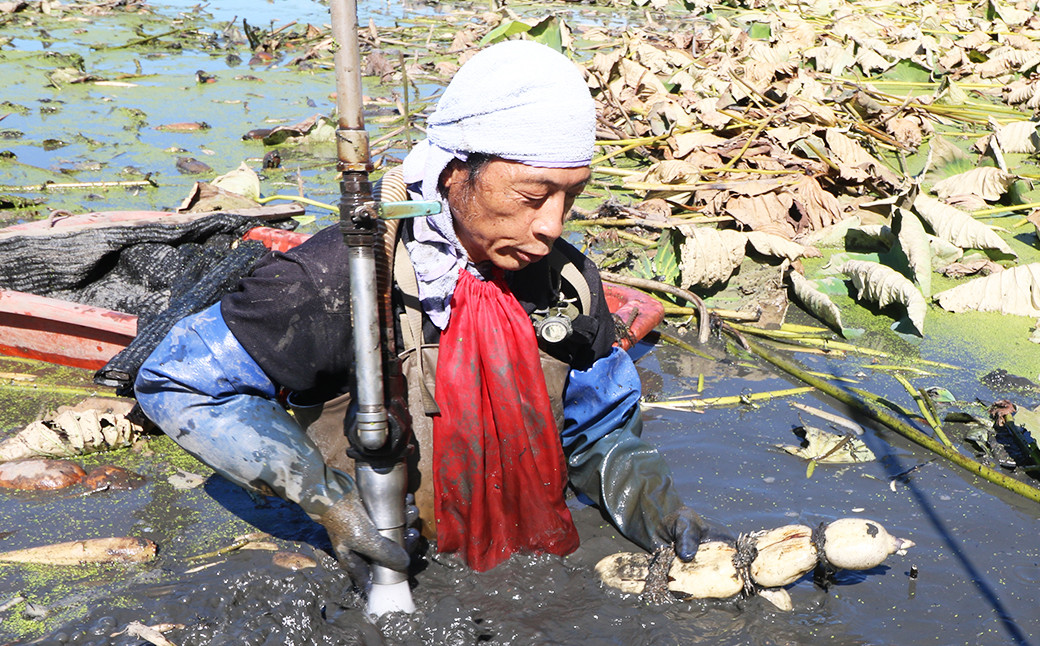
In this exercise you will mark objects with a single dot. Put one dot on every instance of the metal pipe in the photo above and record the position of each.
(368, 358)
(351, 137)
(382, 486)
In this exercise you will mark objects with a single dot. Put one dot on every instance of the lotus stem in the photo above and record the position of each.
(729, 315)
(239, 544)
(729, 400)
(676, 341)
(624, 222)
(904, 429)
(625, 235)
(301, 200)
(617, 172)
(918, 371)
(40, 188)
(1006, 209)
(926, 410)
(703, 326)
(58, 390)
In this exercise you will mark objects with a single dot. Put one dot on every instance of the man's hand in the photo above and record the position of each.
(688, 530)
(353, 533)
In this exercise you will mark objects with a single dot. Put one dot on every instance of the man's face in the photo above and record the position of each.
(510, 213)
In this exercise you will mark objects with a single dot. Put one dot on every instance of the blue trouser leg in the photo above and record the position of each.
(205, 391)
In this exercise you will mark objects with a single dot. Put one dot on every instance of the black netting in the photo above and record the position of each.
(121, 371)
(158, 271)
(135, 269)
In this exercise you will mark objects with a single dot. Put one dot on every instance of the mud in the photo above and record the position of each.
(973, 585)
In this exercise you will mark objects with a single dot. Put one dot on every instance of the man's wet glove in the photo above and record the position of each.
(610, 464)
(688, 530)
(353, 535)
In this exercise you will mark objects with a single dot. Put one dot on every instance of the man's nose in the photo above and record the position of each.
(548, 222)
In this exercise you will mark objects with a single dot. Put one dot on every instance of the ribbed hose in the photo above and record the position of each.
(390, 188)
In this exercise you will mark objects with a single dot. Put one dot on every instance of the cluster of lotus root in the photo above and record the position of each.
(762, 562)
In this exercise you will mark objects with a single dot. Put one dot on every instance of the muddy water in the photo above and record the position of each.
(977, 557)
(976, 551)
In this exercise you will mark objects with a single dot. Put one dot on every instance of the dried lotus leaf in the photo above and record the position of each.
(913, 241)
(242, 181)
(870, 236)
(854, 162)
(1018, 137)
(1012, 291)
(688, 142)
(819, 304)
(709, 256)
(882, 285)
(828, 448)
(769, 244)
(785, 554)
(672, 171)
(860, 544)
(957, 227)
(710, 575)
(986, 182)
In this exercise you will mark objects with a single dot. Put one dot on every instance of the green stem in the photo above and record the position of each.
(301, 200)
(668, 338)
(898, 426)
(58, 390)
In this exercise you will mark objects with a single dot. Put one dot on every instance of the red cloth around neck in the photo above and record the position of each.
(499, 468)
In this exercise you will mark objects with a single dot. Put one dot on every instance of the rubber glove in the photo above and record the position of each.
(609, 463)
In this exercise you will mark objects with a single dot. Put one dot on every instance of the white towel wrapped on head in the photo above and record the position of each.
(518, 100)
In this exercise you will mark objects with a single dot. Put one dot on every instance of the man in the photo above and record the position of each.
(510, 418)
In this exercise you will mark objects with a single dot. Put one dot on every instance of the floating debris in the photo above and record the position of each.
(765, 560)
(39, 474)
(151, 634)
(127, 549)
(825, 447)
(293, 560)
(91, 426)
(108, 477)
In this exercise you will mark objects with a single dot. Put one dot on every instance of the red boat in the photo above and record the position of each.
(83, 336)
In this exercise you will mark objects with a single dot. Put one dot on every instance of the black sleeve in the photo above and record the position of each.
(292, 315)
(537, 287)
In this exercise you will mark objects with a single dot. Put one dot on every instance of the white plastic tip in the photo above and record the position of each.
(384, 598)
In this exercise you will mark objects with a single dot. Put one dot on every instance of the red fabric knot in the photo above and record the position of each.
(499, 468)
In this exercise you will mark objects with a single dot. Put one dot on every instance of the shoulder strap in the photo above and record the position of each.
(570, 273)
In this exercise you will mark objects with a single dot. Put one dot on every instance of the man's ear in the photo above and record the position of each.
(454, 174)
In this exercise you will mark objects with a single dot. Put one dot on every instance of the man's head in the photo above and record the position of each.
(508, 212)
(508, 148)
